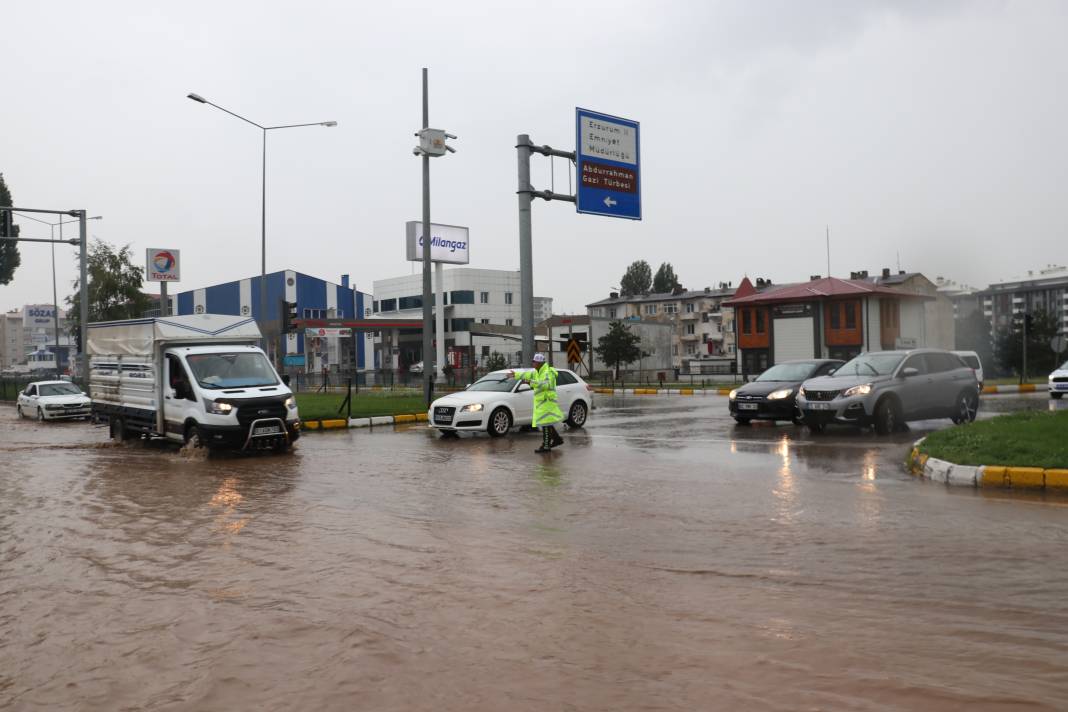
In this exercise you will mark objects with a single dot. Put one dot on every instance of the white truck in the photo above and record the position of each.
(198, 379)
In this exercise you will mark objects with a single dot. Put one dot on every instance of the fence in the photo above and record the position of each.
(10, 387)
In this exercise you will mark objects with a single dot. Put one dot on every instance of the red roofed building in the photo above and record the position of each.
(823, 318)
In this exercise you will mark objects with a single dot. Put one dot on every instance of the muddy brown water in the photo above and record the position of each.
(662, 560)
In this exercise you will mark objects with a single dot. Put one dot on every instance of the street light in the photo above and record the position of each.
(263, 205)
(55, 296)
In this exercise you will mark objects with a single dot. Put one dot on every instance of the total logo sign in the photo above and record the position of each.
(162, 265)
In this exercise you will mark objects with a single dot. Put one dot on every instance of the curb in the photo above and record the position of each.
(341, 423)
(662, 391)
(1022, 388)
(988, 476)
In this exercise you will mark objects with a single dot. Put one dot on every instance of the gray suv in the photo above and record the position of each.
(887, 388)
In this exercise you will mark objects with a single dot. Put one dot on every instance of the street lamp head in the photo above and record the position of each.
(197, 98)
(329, 123)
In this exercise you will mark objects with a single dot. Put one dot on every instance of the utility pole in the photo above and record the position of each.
(83, 356)
(1023, 371)
(428, 372)
(526, 258)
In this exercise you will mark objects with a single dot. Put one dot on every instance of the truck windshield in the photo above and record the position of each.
(231, 370)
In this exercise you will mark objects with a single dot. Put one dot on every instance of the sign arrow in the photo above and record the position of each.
(608, 201)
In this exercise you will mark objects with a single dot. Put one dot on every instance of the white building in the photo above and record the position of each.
(474, 299)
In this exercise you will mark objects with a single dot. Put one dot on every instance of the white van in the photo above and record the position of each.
(972, 359)
(197, 379)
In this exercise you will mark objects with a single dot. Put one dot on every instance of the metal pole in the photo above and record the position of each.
(164, 303)
(428, 372)
(526, 276)
(439, 319)
(55, 297)
(263, 248)
(1023, 371)
(83, 356)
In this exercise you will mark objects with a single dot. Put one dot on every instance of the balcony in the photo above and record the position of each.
(688, 316)
(689, 337)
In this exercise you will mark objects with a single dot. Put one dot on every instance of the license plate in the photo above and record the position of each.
(819, 406)
(747, 406)
(266, 430)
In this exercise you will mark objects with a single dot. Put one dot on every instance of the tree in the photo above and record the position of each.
(637, 279)
(665, 279)
(114, 287)
(496, 361)
(973, 334)
(619, 346)
(1040, 357)
(9, 249)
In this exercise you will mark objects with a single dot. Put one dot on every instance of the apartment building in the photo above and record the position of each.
(1045, 288)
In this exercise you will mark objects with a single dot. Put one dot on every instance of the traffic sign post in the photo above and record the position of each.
(607, 165)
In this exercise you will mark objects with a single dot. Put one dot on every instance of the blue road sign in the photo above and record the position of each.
(607, 165)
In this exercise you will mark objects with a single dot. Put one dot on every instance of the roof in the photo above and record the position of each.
(820, 289)
(565, 320)
(662, 297)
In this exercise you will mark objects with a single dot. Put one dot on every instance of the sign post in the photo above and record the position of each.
(163, 266)
(607, 167)
(448, 243)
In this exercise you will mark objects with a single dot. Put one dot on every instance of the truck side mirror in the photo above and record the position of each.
(285, 379)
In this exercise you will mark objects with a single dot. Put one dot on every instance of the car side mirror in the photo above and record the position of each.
(467, 386)
(910, 372)
(832, 372)
(285, 379)
(523, 388)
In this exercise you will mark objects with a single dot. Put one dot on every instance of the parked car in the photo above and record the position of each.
(1058, 381)
(496, 403)
(972, 360)
(52, 400)
(773, 395)
(886, 388)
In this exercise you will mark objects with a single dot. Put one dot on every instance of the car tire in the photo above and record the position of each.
(814, 427)
(576, 417)
(1056, 396)
(40, 415)
(967, 406)
(18, 411)
(887, 417)
(449, 434)
(500, 422)
(193, 437)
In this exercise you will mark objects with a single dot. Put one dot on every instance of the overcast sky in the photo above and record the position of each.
(931, 130)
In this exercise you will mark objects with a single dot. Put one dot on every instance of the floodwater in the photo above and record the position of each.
(663, 559)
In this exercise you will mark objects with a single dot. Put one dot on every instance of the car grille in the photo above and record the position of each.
(820, 395)
(257, 408)
(1061, 379)
(748, 398)
(443, 414)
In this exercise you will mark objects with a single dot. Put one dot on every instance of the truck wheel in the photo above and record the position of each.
(193, 438)
(117, 429)
(500, 423)
(887, 417)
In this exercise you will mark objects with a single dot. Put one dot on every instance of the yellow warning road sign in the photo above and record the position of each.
(574, 351)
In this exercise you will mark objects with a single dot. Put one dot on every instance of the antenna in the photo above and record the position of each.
(828, 251)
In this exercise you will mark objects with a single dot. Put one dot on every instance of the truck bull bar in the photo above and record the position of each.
(264, 422)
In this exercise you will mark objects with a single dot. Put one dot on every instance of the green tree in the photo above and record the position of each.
(114, 287)
(9, 249)
(637, 279)
(1040, 357)
(665, 279)
(619, 346)
(496, 361)
(973, 334)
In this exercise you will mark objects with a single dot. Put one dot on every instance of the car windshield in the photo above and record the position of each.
(788, 372)
(60, 389)
(232, 370)
(870, 365)
(495, 382)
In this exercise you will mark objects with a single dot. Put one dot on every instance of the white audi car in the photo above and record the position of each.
(52, 400)
(496, 403)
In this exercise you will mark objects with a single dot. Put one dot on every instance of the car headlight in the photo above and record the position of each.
(861, 390)
(219, 408)
(780, 394)
(471, 408)
(291, 403)
(801, 392)
(733, 394)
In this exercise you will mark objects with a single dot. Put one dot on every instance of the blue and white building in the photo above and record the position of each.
(315, 299)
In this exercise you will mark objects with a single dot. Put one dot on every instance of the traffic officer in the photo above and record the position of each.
(546, 411)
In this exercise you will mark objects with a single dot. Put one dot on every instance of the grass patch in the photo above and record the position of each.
(1032, 439)
(315, 406)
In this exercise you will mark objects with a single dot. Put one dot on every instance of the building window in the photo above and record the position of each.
(314, 313)
(650, 309)
(747, 321)
(612, 313)
(691, 349)
(462, 324)
(850, 315)
(509, 322)
(463, 296)
(836, 316)
(675, 350)
(690, 307)
(485, 321)
(760, 326)
(389, 305)
(375, 303)
(411, 302)
(507, 297)
(483, 297)
(690, 328)
(671, 308)
(485, 351)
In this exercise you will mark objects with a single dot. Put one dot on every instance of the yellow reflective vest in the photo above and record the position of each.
(543, 381)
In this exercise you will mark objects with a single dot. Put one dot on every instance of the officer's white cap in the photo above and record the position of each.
(539, 358)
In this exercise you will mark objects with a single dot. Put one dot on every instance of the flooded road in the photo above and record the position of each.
(663, 559)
